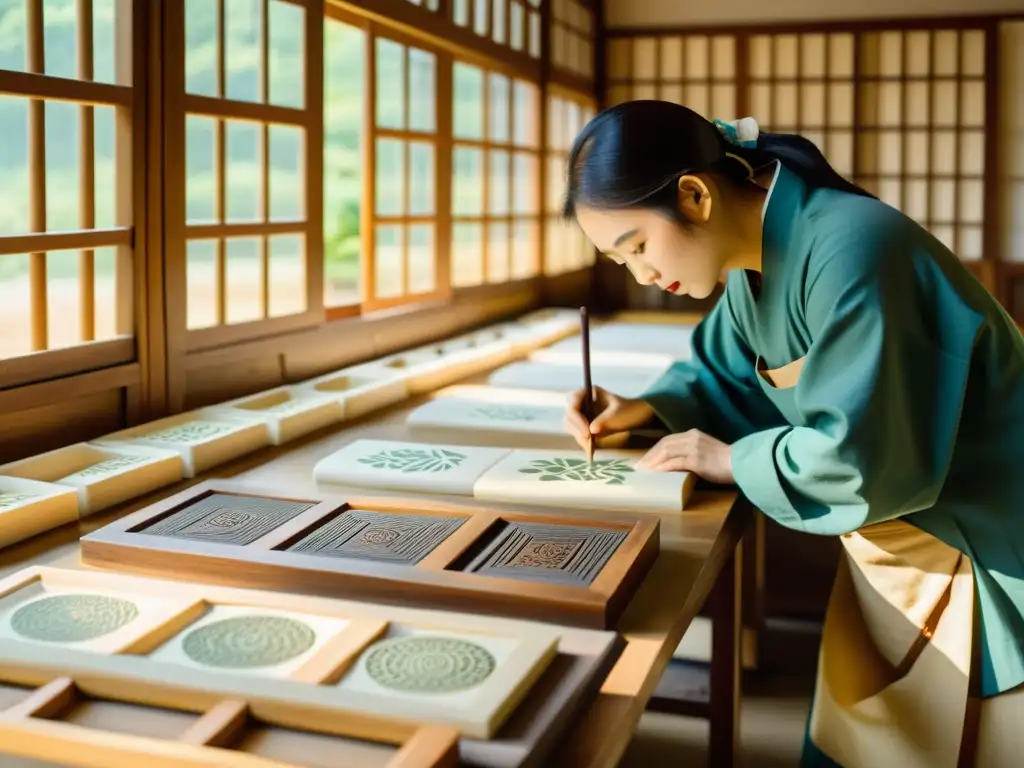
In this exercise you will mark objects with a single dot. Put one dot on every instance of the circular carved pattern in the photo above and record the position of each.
(72, 618)
(546, 555)
(243, 642)
(429, 664)
(380, 535)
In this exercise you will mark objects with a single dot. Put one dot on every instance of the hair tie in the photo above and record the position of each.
(741, 133)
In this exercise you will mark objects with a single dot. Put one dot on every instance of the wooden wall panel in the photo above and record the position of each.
(24, 433)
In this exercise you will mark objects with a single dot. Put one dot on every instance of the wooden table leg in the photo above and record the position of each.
(753, 591)
(727, 622)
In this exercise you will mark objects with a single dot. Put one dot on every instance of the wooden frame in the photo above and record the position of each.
(506, 730)
(517, 140)
(225, 112)
(437, 579)
(567, 113)
(124, 233)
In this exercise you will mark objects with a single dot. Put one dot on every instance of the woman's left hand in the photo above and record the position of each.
(691, 451)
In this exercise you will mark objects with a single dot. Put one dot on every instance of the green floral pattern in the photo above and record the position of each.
(13, 499)
(107, 466)
(414, 460)
(505, 413)
(608, 471)
(189, 432)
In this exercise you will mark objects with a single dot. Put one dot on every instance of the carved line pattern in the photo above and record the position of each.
(106, 467)
(507, 412)
(9, 499)
(72, 618)
(560, 554)
(403, 539)
(244, 642)
(428, 664)
(189, 432)
(225, 518)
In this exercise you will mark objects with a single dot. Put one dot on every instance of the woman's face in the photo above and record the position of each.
(684, 259)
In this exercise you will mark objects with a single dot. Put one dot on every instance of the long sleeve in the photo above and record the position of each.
(879, 397)
(716, 390)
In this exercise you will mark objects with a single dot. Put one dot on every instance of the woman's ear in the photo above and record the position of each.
(694, 199)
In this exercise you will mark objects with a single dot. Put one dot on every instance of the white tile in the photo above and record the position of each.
(390, 464)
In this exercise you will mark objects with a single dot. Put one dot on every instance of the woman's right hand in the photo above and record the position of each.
(611, 414)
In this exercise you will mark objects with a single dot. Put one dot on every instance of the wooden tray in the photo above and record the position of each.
(572, 570)
(250, 711)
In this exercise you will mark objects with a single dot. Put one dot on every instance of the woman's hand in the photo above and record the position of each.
(692, 451)
(611, 414)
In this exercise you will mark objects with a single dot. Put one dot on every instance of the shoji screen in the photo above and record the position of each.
(698, 71)
(804, 83)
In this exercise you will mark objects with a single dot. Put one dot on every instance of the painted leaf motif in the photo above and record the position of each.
(608, 471)
(414, 460)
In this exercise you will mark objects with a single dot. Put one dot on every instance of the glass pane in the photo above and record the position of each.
(390, 180)
(243, 55)
(286, 41)
(555, 183)
(390, 83)
(14, 192)
(202, 47)
(498, 183)
(63, 299)
(535, 35)
(13, 55)
(106, 298)
(287, 176)
(498, 26)
(422, 95)
(460, 12)
(201, 283)
(244, 279)
(468, 181)
(525, 249)
(344, 54)
(499, 95)
(524, 183)
(104, 41)
(525, 112)
(15, 306)
(200, 169)
(244, 182)
(468, 97)
(480, 9)
(60, 37)
(421, 258)
(517, 24)
(387, 261)
(62, 165)
(421, 178)
(497, 252)
(467, 254)
(287, 273)
(105, 167)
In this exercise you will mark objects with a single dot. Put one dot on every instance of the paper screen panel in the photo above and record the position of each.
(566, 247)
(572, 37)
(512, 24)
(921, 128)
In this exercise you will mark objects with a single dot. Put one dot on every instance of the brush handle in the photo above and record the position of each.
(588, 386)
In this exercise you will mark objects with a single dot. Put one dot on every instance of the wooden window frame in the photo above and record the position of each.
(485, 145)
(128, 236)
(178, 105)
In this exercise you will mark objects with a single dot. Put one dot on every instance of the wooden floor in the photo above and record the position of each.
(776, 700)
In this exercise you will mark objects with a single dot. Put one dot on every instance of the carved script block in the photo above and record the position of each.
(401, 539)
(560, 554)
(226, 518)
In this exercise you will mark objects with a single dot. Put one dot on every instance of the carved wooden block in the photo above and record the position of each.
(288, 412)
(558, 554)
(379, 536)
(360, 389)
(225, 518)
(626, 382)
(28, 507)
(566, 569)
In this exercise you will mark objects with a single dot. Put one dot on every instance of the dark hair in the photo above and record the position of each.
(632, 154)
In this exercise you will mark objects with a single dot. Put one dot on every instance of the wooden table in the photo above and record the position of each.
(699, 559)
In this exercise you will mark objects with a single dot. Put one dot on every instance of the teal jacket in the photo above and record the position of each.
(909, 404)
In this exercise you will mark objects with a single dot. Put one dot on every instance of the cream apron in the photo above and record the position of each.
(895, 667)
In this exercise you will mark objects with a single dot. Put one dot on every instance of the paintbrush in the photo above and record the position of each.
(588, 387)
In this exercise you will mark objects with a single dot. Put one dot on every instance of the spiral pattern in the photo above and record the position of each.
(72, 618)
(244, 642)
(429, 664)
